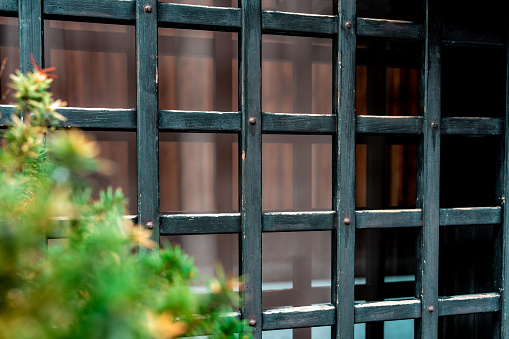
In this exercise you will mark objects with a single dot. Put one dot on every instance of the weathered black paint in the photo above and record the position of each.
(250, 21)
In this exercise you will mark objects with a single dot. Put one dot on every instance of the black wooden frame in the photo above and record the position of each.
(343, 28)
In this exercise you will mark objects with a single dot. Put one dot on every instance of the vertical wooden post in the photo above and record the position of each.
(429, 176)
(301, 186)
(147, 131)
(251, 163)
(376, 180)
(343, 199)
(501, 330)
(30, 33)
(30, 42)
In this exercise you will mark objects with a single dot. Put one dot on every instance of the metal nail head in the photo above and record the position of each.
(347, 221)
(148, 9)
(252, 322)
(431, 309)
(150, 225)
(348, 24)
(434, 124)
(252, 120)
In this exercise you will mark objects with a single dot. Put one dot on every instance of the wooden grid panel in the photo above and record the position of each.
(251, 22)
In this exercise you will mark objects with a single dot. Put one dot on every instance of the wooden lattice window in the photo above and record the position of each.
(446, 132)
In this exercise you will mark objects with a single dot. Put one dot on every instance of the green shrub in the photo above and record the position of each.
(96, 283)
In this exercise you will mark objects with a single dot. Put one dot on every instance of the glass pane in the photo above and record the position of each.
(387, 78)
(9, 52)
(396, 329)
(198, 172)
(466, 259)
(412, 10)
(386, 173)
(296, 268)
(296, 172)
(296, 75)
(385, 263)
(321, 332)
(95, 63)
(473, 91)
(307, 6)
(278, 334)
(466, 13)
(472, 160)
(480, 325)
(198, 70)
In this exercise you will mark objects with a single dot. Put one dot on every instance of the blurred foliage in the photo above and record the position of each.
(96, 282)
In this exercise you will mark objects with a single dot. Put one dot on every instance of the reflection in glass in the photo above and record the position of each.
(480, 325)
(296, 172)
(296, 75)
(197, 70)
(198, 172)
(296, 268)
(118, 149)
(396, 329)
(387, 78)
(466, 261)
(312, 333)
(214, 3)
(95, 63)
(386, 173)
(9, 52)
(385, 263)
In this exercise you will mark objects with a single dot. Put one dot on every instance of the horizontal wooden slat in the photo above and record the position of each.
(468, 304)
(199, 121)
(457, 35)
(98, 118)
(297, 221)
(472, 126)
(413, 125)
(323, 315)
(9, 5)
(203, 17)
(298, 123)
(387, 310)
(172, 224)
(471, 216)
(105, 9)
(105, 118)
(323, 220)
(298, 24)
(393, 29)
(230, 222)
(93, 118)
(388, 218)
(292, 317)
(368, 124)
